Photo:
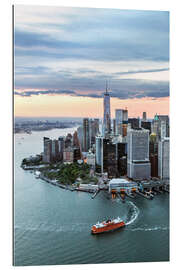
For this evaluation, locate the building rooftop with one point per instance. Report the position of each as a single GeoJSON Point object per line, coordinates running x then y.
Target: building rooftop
{"type": "Point", "coordinates": [118, 181]}
{"type": "Point", "coordinates": [138, 130]}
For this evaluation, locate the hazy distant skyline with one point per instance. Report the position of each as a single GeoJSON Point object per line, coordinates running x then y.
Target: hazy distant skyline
{"type": "Point", "coordinates": [63, 57]}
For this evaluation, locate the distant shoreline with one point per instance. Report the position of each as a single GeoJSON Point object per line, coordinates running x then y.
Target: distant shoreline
{"type": "Point", "coordinates": [36, 130]}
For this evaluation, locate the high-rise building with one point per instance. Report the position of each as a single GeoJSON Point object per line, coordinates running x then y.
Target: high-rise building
{"type": "Point", "coordinates": [75, 139]}
{"type": "Point", "coordinates": [80, 136]}
{"type": "Point", "coordinates": [163, 130]}
{"type": "Point", "coordinates": [154, 165]}
{"type": "Point", "coordinates": [155, 128]}
{"type": "Point", "coordinates": [138, 165]}
{"type": "Point", "coordinates": [68, 155]}
{"type": "Point", "coordinates": [134, 122]}
{"type": "Point", "coordinates": [47, 154]}
{"type": "Point", "coordinates": [160, 126]}
{"type": "Point", "coordinates": [91, 159]}
{"type": "Point", "coordinates": [121, 156]}
{"type": "Point", "coordinates": [165, 118]}
{"type": "Point", "coordinates": [121, 121]}
{"type": "Point", "coordinates": [109, 160]}
{"type": "Point", "coordinates": [61, 147]}
{"type": "Point", "coordinates": [96, 125]}
{"type": "Point", "coordinates": [114, 126]}
{"type": "Point", "coordinates": [163, 158]}
{"type": "Point", "coordinates": [144, 117]}
{"type": "Point", "coordinates": [76, 154]}
{"type": "Point", "coordinates": [55, 150]}
{"type": "Point", "coordinates": [153, 155]}
{"type": "Point", "coordinates": [86, 135]}
{"type": "Point", "coordinates": [94, 130]}
{"type": "Point", "coordinates": [107, 113]}
{"type": "Point", "coordinates": [146, 125]}
{"type": "Point", "coordinates": [99, 141]}
{"type": "Point", "coordinates": [111, 156]}
{"type": "Point", "coordinates": [68, 140]}
{"type": "Point", "coordinates": [124, 130]}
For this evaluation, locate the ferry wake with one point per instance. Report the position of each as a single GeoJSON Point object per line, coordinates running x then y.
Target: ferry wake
{"type": "Point", "coordinates": [107, 226]}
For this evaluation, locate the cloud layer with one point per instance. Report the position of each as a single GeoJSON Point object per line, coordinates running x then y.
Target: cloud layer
{"type": "Point", "coordinates": [74, 50]}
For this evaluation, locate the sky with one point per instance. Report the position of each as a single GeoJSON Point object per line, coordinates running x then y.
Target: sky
{"type": "Point", "coordinates": [64, 56]}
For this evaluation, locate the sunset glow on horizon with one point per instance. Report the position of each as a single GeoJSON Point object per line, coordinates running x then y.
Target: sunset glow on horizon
{"type": "Point", "coordinates": [70, 106]}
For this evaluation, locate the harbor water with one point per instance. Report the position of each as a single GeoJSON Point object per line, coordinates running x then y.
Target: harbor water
{"type": "Point", "coordinates": [52, 226]}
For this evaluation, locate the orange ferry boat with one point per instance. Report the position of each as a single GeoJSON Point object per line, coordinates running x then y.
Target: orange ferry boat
{"type": "Point", "coordinates": [107, 226]}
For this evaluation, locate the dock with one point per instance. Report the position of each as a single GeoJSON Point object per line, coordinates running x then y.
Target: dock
{"type": "Point", "coordinates": [96, 192]}
{"type": "Point", "coordinates": [130, 195]}
{"type": "Point", "coordinates": [144, 195]}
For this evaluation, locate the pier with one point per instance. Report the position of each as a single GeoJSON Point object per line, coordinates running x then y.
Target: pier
{"type": "Point", "coordinates": [130, 195]}
{"type": "Point", "coordinates": [145, 195]}
{"type": "Point", "coordinates": [147, 189]}
{"type": "Point", "coordinates": [96, 192]}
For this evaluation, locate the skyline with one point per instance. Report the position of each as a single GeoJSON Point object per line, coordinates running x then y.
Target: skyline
{"type": "Point", "coordinates": [55, 66]}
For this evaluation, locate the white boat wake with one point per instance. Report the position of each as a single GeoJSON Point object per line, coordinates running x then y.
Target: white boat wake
{"type": "Point", "coordinates": [135, 213]}
{"type": "Point", "coordinates": [156, 228]}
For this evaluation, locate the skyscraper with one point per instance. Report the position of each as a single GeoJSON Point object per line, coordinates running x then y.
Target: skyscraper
{"type": "Point", "coordinates": [96, 125]}
{"type": "Point", "coordinates": [68, 140]}
{"type": "Point", "coordinates": [114, 126]}
{"type": "Point", "coordinates": [160, 126]}
{"type": "Point", "coordinates": [121, 156]}
{"type": "Point", "coordinates": [80, 136]}
{"type": "Point", "coordinates": [163, 130]}
{"type": "Point", "coordinates": [134, 122]}
{"type": "Point", "coordinates": [153, 155]}
{"type": "Point", "coordinates": [146, 125]}
{"type": "Point", "coordinates": [165, 118]}
{"type": "Point", "coordinates": [93, 129]}
{"type": "Point", "coordinates": [99, 141]}
{"type": "Point", "coordinates": [55, 150]}
{"type": "Point", "coordinates": [109, 160]}
{"type": "Point", "coordinates": [144, 116]}
{"type": "Point", "coordinates": [47, 155]}
{"type": "Point", "coordinates": [86, 135]}
{"type": "Point", "coordinates": [107, 113]}
{"type": "Point", "coordinates": [75, 139]}
{"type": "Point", "coordinates": [163, 158]}
{"type": "Point", "coordinates": [61, 147]}
{"type": "Point", "coordinates": [121, 121]}
{"type": "Point", "coordinates": [138, 165]}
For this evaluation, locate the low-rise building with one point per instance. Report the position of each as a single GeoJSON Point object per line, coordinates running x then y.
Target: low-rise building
{"type": "Point", "coordinates": [122, 185]}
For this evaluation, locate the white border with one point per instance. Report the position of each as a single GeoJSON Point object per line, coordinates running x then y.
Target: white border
{"type": "Point", "coordinates": [6, 126]}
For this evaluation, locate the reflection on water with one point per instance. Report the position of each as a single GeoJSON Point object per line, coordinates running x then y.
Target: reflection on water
{"type": "Point", "coordinates": [52, 225]}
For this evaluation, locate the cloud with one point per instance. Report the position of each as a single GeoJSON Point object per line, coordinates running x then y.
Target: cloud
{"type": "Point", "coordinates": [77, 49]}
{"type": "Point", "coordinates": [141, 71]}
{"type": "Point", "coordinates": [43, 92]}
{"type": "Point", "coordinates": [122, 89]}
{"type": "Point", "coordinates": [108, 35]}
{"type": "Point", "coordinates": [36, 40]}
{"type": "Point", "coordinates": [102, 49]}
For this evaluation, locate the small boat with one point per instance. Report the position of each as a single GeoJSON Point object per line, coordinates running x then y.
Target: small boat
{"type": "Point", "coordinates": [107, 226]}
{"type": "Point", "coordinates": [37, 174]}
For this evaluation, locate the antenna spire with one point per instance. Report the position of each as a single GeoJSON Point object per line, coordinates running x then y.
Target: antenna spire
{"type": "Point", "coordinates": [106, 87]}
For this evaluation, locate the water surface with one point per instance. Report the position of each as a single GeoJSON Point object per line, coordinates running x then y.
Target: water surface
{"type": "Point", "coordinates": [52, 225]}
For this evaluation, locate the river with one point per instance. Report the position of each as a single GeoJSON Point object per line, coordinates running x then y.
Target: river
{"type": "Point", "coordinates": [52, 225]}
